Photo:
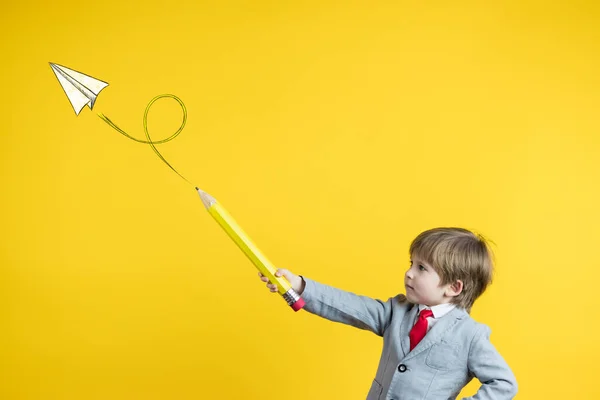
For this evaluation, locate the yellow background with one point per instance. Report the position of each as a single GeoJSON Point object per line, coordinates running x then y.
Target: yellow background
{"type": "Point", "coordinates": [334, 132]}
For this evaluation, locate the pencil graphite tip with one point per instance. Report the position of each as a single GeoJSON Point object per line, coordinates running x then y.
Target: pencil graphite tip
{"type": "Point", "coordinates": [206, 198]}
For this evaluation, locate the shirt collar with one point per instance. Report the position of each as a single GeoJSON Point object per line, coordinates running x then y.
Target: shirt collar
{"type": "Point", "coordinates": [438, 311]}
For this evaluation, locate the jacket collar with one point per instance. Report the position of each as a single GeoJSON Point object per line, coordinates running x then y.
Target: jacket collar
{"type": "Point", "coordinates": [434, 335]}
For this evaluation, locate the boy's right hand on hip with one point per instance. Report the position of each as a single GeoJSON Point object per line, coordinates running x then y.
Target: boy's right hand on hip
{"type": "Point", "coordinates": [296, 281]}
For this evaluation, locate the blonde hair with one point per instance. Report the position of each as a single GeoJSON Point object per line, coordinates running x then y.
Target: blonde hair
{"type": "Point", "coordinates": [457, 254]}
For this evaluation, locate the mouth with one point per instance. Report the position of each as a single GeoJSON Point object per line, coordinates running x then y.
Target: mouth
{"type": "Point", "coordinates": [408, 287]}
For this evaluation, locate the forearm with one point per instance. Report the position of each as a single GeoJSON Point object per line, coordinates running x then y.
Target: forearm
{"type": "Point", "coordinates": [348, 308]}
{"type": "Point", "coordinates": [486, 364]}
{"type": "Point", "coordinates": [497, 389]}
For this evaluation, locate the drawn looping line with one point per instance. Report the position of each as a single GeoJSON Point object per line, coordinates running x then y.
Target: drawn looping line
{"type": "Point", "coordinates": [150, 141]}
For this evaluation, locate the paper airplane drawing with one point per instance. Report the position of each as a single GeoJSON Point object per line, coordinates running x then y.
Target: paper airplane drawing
{"type": "Point", "coordinates": [81, 89]}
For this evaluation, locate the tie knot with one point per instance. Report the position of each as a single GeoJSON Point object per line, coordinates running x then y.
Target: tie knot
{"type": "Point", "coordinates": [424, 314]}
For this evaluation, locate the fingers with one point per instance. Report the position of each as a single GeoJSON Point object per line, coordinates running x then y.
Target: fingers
{"type": "Point", "coordinates": [279, 272]}
{"type": "Point", "coordinates": [272, 287]}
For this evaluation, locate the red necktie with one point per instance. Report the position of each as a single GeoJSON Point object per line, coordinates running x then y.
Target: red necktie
{"type": "Point", "coordinates": [420, 329]}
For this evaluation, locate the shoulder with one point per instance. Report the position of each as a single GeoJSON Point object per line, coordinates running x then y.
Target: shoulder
{"type": "Point", "coordinates": [477, 328]}
{"type": "Point", "coordinates": [468, 329]}
{"type": "Point", "coordinates": [400, 305]}
{"type": "Point", "coordinates": [400, 301]}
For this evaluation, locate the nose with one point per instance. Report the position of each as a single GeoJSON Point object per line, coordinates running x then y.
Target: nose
{"type": "Point", "coordinates": [408, 274]}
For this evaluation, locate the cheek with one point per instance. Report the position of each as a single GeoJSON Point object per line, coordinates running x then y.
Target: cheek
{"type": "Point", "coordinates": [429, 283]}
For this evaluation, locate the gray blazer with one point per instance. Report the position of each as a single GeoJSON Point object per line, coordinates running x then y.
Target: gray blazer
{"type": "Point", "coordinates": [455, 350]}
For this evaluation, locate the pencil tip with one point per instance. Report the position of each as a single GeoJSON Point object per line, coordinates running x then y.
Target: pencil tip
{"type": "Point", "coordinates": [206, 198]}
{"type": "Point", "coordinates": [197, 188]}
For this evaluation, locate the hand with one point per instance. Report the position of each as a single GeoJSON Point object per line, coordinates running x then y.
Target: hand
{"type": "Point", "coordinates": [296, 281]}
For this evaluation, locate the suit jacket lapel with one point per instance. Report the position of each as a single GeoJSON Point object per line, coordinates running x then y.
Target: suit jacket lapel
{"type": "Point", "coordinates": [406, 326]}
{"type": "Point", "coordinates": [436, 333]}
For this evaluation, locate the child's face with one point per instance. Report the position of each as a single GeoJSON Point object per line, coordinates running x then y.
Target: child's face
{"type": "Point", "coordinates": [422, 284]}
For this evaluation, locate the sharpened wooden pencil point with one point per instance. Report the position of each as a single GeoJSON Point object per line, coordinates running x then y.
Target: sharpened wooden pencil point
{"type": "Point", "coordinates": [242, 240]}
{"type": "Point", "coordinates": [206, 198]}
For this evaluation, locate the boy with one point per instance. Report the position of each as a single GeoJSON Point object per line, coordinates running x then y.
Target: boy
{"type": "Point", "coordinates": [431, 346]}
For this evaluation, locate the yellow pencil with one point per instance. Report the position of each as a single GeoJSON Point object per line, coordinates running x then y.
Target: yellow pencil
{"type": "Point", "coordinates": [254, 254]}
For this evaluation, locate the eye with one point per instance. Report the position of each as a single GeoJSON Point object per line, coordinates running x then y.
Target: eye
{"type": "Point", "coordinates": [422, 268]}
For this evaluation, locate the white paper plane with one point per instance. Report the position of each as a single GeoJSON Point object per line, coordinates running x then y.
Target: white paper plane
{"type": "Point", "coordinates": [81, 89]}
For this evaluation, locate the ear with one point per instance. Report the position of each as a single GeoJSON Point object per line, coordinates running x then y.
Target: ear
{"type": "Point", "coordinates": [454, 289]}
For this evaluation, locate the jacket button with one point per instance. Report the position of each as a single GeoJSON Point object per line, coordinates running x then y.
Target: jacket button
{"type": "Point", "coordinates": [401, 367]}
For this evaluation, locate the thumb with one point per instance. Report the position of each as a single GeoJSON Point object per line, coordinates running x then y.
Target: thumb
{"type": "Point", "coordinates": [284, 272]}
{"type": "Point", "coordinates": [295, 280]}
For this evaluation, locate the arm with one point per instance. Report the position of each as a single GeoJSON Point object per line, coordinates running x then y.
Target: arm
{"type": "Point", "coordinates": [486, 364]}
{"type": "Point", "coordinates": [348, 308]}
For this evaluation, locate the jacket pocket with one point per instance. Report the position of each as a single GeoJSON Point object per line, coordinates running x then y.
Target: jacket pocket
{"type": "Point", "coordinates": [442, 356]}
{"type": "Point", "coordinates": [375, 391]}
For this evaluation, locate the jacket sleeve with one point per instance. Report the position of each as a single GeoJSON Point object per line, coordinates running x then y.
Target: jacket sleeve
{"type": "Point", "coordinates": [348, 308]}
{"type": "Point", "coordinates": [486, 364]}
